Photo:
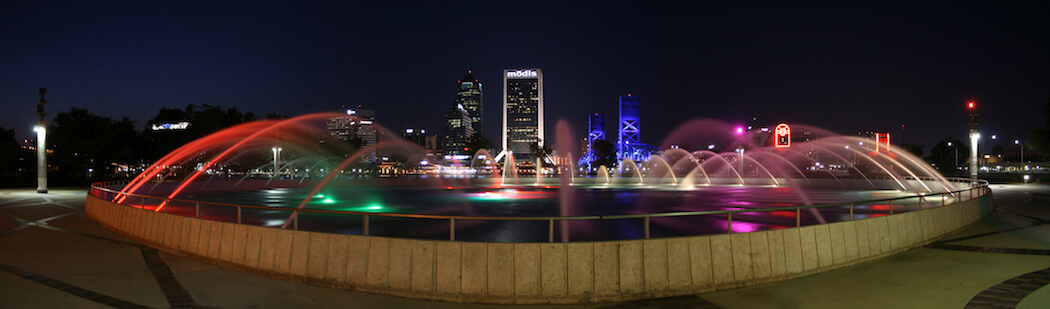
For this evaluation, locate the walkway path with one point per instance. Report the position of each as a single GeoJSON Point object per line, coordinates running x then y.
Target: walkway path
{"type": "Point", "coordinates": [53, 256]}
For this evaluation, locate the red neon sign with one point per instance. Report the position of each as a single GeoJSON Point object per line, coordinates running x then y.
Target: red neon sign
{"type": "Point", "coordinates": [782, 136]}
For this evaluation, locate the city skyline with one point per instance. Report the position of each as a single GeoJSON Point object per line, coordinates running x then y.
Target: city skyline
{"type": "Point", "coordinates": [843, 67]}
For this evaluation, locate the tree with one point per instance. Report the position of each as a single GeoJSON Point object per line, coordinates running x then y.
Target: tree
{"type": "Point", "coordinates": [478, 142]}
{"type": "Point", "coordinates": [947, 159]}
{"type": "Point", "coordinates": [86, 145]}
{"type": "Point", "coordinates": [204, 120]}
{"type": "Point", "coordinates": [913, 149]}
{"type": "Point", "coordinates": [604, 153]}
{"type": "Point", "coordinates": [998, 150]}
{"type": "Point", "coordinates": [15, 167]}
{"type": "Point", "coordinates": [539, 149]}
{"type": "Point", "coordinates": [1039, 137]}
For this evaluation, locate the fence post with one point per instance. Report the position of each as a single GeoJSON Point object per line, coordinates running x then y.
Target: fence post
{"type": "Point", "coordinates": [891, 204]}
{"type": "Point", "coordinates": [646, 227]}
{"type": "Point", "coordinates": [550, 230]}
{"type": "Point", "coordinates": [798, 217]}
{"type": "Point", "coordinates": [197, 210]}
{"type": "Point", "coordinates": [238, 214]}
{"type": "Point", "coordinates": [295, 219]}
{"type": "Point", "coordinates": [851, 211]}
{"type": "Point", "coordinates": [365, 229]}
{"type": "Point", "coordinates": [729, 226]}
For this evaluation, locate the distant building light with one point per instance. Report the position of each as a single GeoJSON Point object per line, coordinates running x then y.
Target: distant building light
{"type": "Point", "coordinates": [170, 126]}
{"type": "Point", "coordinates": [409, 131]}
{"type": "Point", "coordinates": [351, 112]}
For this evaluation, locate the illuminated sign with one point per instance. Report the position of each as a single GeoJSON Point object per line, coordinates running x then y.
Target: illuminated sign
{"type": "Point", "coordinates": [881, 138]}
{"type": "Point", "coordinates": [170, 126]}
{"type": "Point", "coordinates": [521, 74]}
{"type": "Point", "coordinates": [782, 136]}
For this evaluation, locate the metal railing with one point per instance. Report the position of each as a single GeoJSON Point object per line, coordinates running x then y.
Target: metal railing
{"type": "Point", "coordinates": [975, 190]}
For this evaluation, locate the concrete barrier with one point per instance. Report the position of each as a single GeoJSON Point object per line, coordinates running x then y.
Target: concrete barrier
{"type": "Point", "coordinates": [533, 273]}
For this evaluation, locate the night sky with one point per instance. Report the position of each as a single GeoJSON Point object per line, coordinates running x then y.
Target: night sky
{"type": "Point", "coordinates": [845, 67]}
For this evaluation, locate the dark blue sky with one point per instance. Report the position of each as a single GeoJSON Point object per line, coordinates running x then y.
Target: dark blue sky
{"type": "Point", "coordinates": [845, 67]}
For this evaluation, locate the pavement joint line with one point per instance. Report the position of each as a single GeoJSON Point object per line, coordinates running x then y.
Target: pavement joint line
{"type": "Point", "coordinates": [12, 230]}
{"type": "Point", "coordinates": [106, 239]}
{"type": "Point", "coordinates": [981, 235]}
{"type": "Point", "coordinates": [71, 289]}
{"type": "Point", "coordinates": [174, 292]}
{"type": "Point", "coordinates": [687, 301]}
{"type": "Point", "coordinates": [176, 295]}
{"type": "Point", "coordinates": [16, 200]}
{"type": "Point", "coordinates": [1010, 292]}
{"type": "Point", "coordinates": [1024, 251]}
{"type": "Point", "coordinates": [20, 220]}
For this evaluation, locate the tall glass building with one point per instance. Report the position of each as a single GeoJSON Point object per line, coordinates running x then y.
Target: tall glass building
{"type": "Point", "coordinates": [468, 94]}
{"type": "Point", "coordinates": [522, 111]}
{"type": "Point", "coordinates": [458, 131]}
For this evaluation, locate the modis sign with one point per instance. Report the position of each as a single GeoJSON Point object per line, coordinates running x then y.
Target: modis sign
{"type": "Point", "coordinates": [782, 136]}
{"type": "Point", "coordinates": [521, 74]}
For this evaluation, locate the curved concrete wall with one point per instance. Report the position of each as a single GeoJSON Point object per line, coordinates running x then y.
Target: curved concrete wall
{"type": "Point", "coordinates": [527, 273]}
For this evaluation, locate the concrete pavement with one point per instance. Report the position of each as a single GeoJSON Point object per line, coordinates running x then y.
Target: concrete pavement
{"type": "Point", "coordinates": [53, 256]}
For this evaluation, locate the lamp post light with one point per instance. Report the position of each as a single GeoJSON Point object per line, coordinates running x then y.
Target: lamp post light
{"type": "Point", "coordinates": [1018, 143]}
{"type": "Point", "coordinates": [974, 136]}
{"type": "Point", "coordinates": [276, 158]}
{"type": "Point", "coordinates": [956, 155]}
{"type": "Point", "coordinates": [41, 145]}
{"type": "Point", "coordinates": [741, 171]}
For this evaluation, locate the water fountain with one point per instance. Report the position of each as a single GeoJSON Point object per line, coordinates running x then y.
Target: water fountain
{"type": "Point", "coordinates": [748, 173]}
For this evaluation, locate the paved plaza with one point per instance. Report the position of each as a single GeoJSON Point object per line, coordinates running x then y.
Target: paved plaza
{"type": "Point", "coordinates": [53, 256]}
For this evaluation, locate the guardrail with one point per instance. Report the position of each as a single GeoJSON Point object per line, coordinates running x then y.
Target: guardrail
{"type": "Point", "coordinates": [975, 190]}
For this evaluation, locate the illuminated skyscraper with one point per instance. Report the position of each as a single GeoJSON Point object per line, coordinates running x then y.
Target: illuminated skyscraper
{"type": "Point", "coordinates": [630, 128]}
{"type": "Point", "coordinates": [522, 111]}
{"type": "Point", "coordinates": [458, 131]}
{"type": "Point", "coordinates": [468, 94]}
{"type": "Point", "coordinates": [357, 124]}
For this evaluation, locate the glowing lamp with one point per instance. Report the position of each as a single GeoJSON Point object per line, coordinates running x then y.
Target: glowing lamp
{"type": "Point", "coordinates": [970, 105]}
{"type": "Point", "coordinates": [739, 130]}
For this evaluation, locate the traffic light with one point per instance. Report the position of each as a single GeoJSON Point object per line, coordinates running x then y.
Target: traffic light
{"type": "Point", "coordinates": [971, 106]}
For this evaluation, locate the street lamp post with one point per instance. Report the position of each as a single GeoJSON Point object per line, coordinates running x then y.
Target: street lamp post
{"type": "Point", "coordinates": [956, 155]}
{"type": "Point", "coordinates": [276, 158]}
{"type": "Point", "coordinates": [741, 171]}
{"type": "Point", "coordinates": [1018, 143]}
{"type": "Point", "coordinates": [41, 145]}
{"type": "Point", "coordinates": [974, 136]}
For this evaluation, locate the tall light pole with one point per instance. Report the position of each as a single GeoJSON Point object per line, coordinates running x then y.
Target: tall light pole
{"type": "Point", "coordinates": [276, 158]}
{"type": "Point", "coordinates": [973, 141]}
{"type": "Point", "coordinates": [41, 145]}
{"type": "Point", "coordinates": [956, 155]}
{"type": "Point", "coordinates": [741, 171]}
{"type": "Point", "coordinates": [1018, 142]}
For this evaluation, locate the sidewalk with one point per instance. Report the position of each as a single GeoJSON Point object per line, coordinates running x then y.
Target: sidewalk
{"type": "Point", "coordinates": [53, 256]}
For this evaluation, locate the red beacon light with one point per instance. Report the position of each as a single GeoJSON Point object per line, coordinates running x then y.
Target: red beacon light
{"type": "Point", "coordinates": [970, 105]}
